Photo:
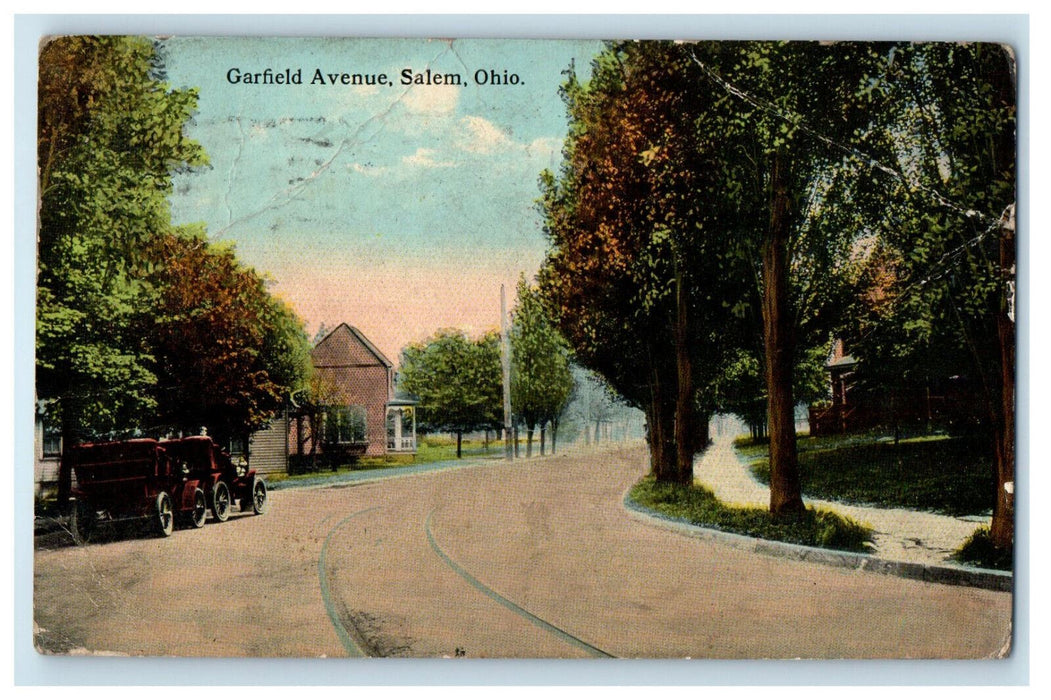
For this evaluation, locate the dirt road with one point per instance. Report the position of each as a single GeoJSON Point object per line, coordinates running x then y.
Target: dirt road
{"type": "Point", "coordinates": [533, 559]}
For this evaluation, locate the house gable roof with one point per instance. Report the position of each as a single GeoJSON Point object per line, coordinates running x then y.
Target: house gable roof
{"type": "Point", "coordinates": [347, 346]}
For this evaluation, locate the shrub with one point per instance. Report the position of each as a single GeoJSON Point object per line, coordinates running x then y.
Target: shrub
{"type": "Point", "coordinates": [979, 550]}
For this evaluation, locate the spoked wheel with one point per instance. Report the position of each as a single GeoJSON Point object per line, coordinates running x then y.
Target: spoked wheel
{"type": "Point", "coordinates": [257, 496]}
{"type": "Point", "coordinates": [164, 515]}
{"type": "Point", "coordinates": [221, 501]}
{"type": "Point", "coordinates": [200, 509]}
{"type": "Point", "coordinates": [82, 523]}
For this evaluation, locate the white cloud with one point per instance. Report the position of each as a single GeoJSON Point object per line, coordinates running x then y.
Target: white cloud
{"type": "Point", "coordinates": [544, 147]}
{"type": "Point", "coordinates": [368, 169]}
{"type": "Point", "coordinates": [431, 99]}
{"type": "Point", "coordinates": [482, 136]}
{"type": "Point", "coordinates": [424, 158]}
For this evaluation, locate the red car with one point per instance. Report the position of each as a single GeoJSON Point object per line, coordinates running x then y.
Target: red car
{"type": "Point", "coordinates": [160, 481]}
{"type": "Point", "coordinates": [210, 466]}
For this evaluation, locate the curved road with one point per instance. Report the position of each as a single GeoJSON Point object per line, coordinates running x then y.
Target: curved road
{"type": "Point", "coordinates": [534, 559]}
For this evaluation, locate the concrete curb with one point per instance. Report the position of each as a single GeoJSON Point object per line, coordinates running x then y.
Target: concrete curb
{"type": "Point", "coordinates": [988, 579]}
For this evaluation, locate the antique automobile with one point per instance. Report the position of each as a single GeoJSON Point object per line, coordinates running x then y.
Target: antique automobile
{"type": "Point", "coordinates": [160, 481]}
{"type": "Point", "coordinates": [223, 481]}
{"type": "Point", "coordinates": [129, 480]}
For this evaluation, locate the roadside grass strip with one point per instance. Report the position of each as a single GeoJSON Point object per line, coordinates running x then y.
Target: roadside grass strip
{"type": "Point", "coordinates": [513, 607]}
{"type": "Point", "coordinates": [349, 643]}
{"type": "Point", "coordinates": [699, 506]}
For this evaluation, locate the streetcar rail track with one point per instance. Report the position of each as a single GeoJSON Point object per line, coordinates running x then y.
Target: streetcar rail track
{"type": "Point", "coordinates": [349, 640]}
{"type": "Point", "coordinates": [507, 603]}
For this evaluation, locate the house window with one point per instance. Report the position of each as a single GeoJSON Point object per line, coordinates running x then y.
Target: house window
{"type": "Point", "coordinates": [237, 446]}
{"type": "Point", "coordinates": [345, 424]}
{"type": "Point", "coordinates": [52, 436]}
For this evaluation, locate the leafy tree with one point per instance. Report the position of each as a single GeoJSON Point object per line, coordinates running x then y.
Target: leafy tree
{"type": "Point", "coordinates": [110, 135]}
{"type": "Point", "coordinates": [936, 297]}
{"type": "Point", "coordinates": [457, 381]}
{"type": "Point", "coordinates": [227, 353]}
{"type": "Point", "coordinates": [787, 111]}
{"type": "Point", "coordinates": [641, 267]}
{"type": "Point", "coordinates": [141, 326]}
{"type": "Point", "coordinates": [541, 381]}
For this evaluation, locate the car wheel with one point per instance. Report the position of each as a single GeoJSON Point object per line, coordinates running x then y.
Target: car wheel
{"type": "Point", "coordinates": [164, 516]}
{"type": "Point", "coordinates": [200, 509]}
{"type": "Point", "coordinates": [82, 523]}
{"type": "Point", "coordinates": [221, 501]}
{"type": "Point", "coordinates": [258, 496]}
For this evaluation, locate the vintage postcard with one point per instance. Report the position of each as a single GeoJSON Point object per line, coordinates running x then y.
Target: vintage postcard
{"type": "Point", "coordinates": [524, 348]}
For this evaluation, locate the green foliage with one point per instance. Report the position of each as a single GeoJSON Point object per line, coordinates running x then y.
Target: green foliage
{"type": "Point", "coordinates": [541, 381]}
{"type": "Point", "coordinates": [228, 354]}
{"type": "Point", "coordinates": [110, 135]}
{"type": "Point", "coordinates": [456, 380]}
{"type": "Point", "coordinates": [699, 506]}
{"type": "Point", "coordinates": [930, 293]}
{"type": "Point", "coordinates": [141, 326]}
{"type": "Point", "coordinates": [945, 475]}
{"type": "Point", "coordinates": [980, 550]}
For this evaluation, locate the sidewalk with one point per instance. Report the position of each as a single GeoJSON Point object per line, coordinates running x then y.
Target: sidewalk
{"type": "Point", "coordinates": [899, 534]}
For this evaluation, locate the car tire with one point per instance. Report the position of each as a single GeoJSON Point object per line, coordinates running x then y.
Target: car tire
{"type": "Point", "coordinates": [221, 501]}
{"type": "Point", "coordinates": [164, 515]}
{"type": "Point", "coordinates": [258, 496]}
{"type": "Point", "coordinates": [82, 523]}
{"type": "Point", "coordinates": [200, 509]}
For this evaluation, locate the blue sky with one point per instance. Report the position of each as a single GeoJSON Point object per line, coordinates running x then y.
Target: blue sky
{"type": "Point", "coordinates": [397, 209]}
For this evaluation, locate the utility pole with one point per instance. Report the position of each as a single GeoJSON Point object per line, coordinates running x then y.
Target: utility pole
{"type": "Point", "coordinates": [505, 361]}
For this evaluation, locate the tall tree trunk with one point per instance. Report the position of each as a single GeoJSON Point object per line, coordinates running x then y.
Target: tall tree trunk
{"type": "Point", "coordinates": [543, 435]}
{"type": "Point", "coordinates": [684, 418]}
{"type": "Point", "coordinates": [779, 347]}
{"type": "Point", "coordinates": [1002, 530]}
{"type": "Point", "coordinates": [459, 444]}
{"type": "Point", "coordinates": [529, 439]}
{"type": "Point", "coordinates": [554, 434]}
{"type": "Point", "coordinates": [660, 425]}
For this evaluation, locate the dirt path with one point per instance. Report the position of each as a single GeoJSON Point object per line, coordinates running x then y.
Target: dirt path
{"type": "Point", "coordinates": [533, 559]}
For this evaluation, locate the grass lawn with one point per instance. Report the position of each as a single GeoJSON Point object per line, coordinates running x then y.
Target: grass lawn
{"type": "Point", "coordinates": [699, 506]}
{"type": "Point", "coordinates": [947, 475]}
{"type": "Point", "coordinates": [428, 450]}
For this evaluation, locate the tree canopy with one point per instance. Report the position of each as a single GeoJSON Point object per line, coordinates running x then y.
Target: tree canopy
{"type": "Point", "coordinates": [782, 166]}
{"type": "Point", "coordinates": [227, 354]}
{"type": "Point", "coordinates": [457, 381]}
{"type": "Point", "coordinates": [131, 336]}
{"type": "Point", "coordinates": [541, 381]}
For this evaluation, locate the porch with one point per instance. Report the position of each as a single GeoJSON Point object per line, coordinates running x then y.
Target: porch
{"type": "Point", "coordinates": [401, 426]}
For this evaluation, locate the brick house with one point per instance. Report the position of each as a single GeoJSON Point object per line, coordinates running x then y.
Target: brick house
{"type": "Point", "coordinates": [936, 402]}
{"type": "Point", "coordinates": [361, 416]}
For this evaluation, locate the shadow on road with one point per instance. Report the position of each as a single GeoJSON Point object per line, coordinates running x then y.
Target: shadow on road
{"type": "Point", "coordinates": [52, 532]}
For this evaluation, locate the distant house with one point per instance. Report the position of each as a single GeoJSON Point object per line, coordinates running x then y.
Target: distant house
{"type": "Point", "coordinates": [361, 415]}
{"type": "Point", "coordinates": [47, 451]}
{"type": "Point", "coordinates": [939, 402]}
{"type": "Point", "coordinates": [842, 415]}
